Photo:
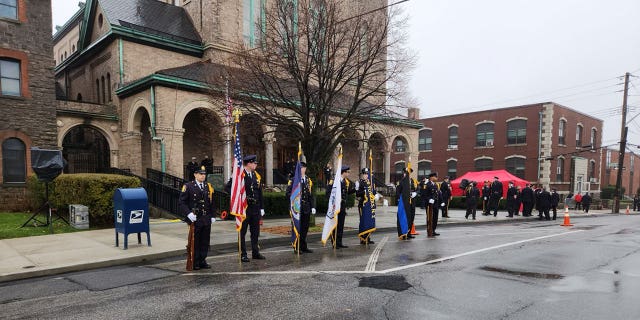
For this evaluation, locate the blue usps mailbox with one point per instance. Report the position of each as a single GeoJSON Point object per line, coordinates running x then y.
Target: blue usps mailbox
{"type": "Point", "coordinates": [131, 213]}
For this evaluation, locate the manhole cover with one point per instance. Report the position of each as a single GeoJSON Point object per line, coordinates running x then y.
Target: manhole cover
{"type": "Point", "coordinates": [395, 283]}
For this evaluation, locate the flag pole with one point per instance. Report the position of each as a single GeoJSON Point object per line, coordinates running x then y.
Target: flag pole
{"type": "Point", "coordinates": [236, 116]}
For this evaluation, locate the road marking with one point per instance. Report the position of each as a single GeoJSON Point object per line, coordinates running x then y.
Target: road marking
{"type": "Point", "coordinates": [414, 265]}
{"type": "Point", "coordinates": [419, 264]}
{"type": "Point", "coordinates": [371, 265]}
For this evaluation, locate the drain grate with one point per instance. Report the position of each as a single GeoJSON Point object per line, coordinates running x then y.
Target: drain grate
{"type": "Point", "coordinates": [395, 283]}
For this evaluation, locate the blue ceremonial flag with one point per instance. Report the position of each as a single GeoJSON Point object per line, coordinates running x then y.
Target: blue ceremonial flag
{"type": "Point", "coordinates": [368, 211]}
{"type": "Point", "coordinates": [402, 219]}
{"type": "Point", "coordinates": [294, 205]}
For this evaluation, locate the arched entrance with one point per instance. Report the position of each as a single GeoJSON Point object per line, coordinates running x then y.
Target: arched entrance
{"type": "Point", "coordinates": [142, 124]}
{"type": "Point", "coordinates": [86, 150]}
{"type": "Point", "coordinates": [203, 136]}
{"type": "Point", "coordinates": [378, 146]}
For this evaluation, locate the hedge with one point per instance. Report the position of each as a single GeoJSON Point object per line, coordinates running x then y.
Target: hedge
{"type": "Point", "coordinates": [276, 205]}
{"type": "Point", "coordinates": [94, 190]}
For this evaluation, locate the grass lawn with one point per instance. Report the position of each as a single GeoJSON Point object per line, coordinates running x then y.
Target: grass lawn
{"type": "Point", "coordinates": [10, 224]}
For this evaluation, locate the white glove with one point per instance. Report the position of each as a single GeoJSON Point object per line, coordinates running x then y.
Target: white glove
{"type": "Point", "coordinates": [485, 198]}
{"type": "Point", "coordinates": [262, 212]}
{"type": "Point", "coordinates": [432, 201]}
{"type": "Point", "coordinates": [442, 204]}
{"type": "Point", "coordinates": [213, 219]}
{"type": "Point", "coordinates": [357, 185]}
{"type": "Point", "coordinates": [413, 194]}
{"type": "Point", "coordinates": [377, 196]}
{"type": "Point", "coordinates": [313, 210]}
{"type": "Point", "coordinates": [192, 217]}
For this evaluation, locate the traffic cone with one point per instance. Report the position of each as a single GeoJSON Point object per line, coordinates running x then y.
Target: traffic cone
{"type": "Point", "coordinates": [567, 220]}
{"type": "Point", "coordinates": [413, 231]}
{"type": "Point", "coordinates": [627, 212]}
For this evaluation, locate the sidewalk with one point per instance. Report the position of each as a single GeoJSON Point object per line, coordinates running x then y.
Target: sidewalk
{"type": "Point", "coordinates": [29, 257]}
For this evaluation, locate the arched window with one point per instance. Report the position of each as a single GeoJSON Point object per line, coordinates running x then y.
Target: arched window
{"type": "Point", "coordinates": [109, 86]}
{"type": "Point", "coordinates": [14, 166]}
{"type": "Point", "coordinates": [424, 140]}
{"type": "Point", "coordinates": [562, 130]}
{"type": "Point", "coordinates": [79, 97]}
{"type": "Point", "coordinates": [104, 100]}
{"type": "Point", "coordinates": [594, 135]}
{"type": "Point", "coordinates": [399, 145]}
{"type": "Point", "coordinates": [484, 135]}
{"type": "Point", "coordinates": [453, 138]}
{"type": "Point", "coordinates": [452, 169]}
{"type": "Point", "coordinates": [579, 130]}
{"type": "Point", "coordinates": [399, 167]}
{"type": "Point", "coordinates": [484, 164]}
{"type": "Point", "coordinates": [560, 170]}
{"type": "Point", "coordinates": [517, 131]}
{"type": "Point", "coordinates": [515, 166]}
{"type": "Point", "coordinates": [424, 168]}
{"type": "Point", "coordinates": [592, 170]}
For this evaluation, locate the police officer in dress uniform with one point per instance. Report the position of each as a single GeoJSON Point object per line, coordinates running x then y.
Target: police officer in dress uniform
{"type": "Point", "coordinates": [471, 194]}
{"type": "Point", "coordinates": [255, 209]}
{"type": "Point", "coordinates": [496, 194]}
{"type": "Point", "coordinates": [363, 190]}
{"type": "Point", "coordinates": [512, 200]}
{"type": "Point", "coordinates": [196, 202]}
{"type": "Point", "coordinates": [544, 204]}
{"type": "Point", "coordinates": [346, 188]}
{"type": "Point", "coordinates": [486, 194]}
{"type": "Point", "coordinates": [307, 205]}
{"type": "Point", "coordinates": [445, 189]}
{"type": "Point", "coordinates": [555, 199]}
{"type": "Point", "coordinates": [433, 201]}
{"type": "Point", "coordinates": [422, 186]}
{"type": "Point", "coordinates": [528, 199]}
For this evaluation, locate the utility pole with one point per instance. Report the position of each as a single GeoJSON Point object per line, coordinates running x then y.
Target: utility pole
{"type": "Point", "coordinates": [623, 145]}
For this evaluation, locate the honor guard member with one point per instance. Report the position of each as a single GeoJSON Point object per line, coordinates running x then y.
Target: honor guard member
{"type": "Point", "coordinates": [433, 201]}
{"type": "Point", "coordinates": [445, 189]}
{"type": "Point", "coordinates": [422, 186]}
{"type": "Point", "coordinates": [512, 200]}
{"type": "Point", "coordinates": [255, 209]}
{"type": "Point", "coordinates": [196, 202]}
{"type": "Point", "coordinates": [364, 194]}
{"type": "Point", "coordinates": [471, 194]}
{"type": "Point", "coordinates": [528, 199]}
{"type": "Point", "coordinates": [496, 195]}
{"type": "Point", "coordinates": [555, 200]}
{"type": "Point", "coordinates": [307, 205]}
{"type": "Point", "coordinates": [486, 194]}
{"type": "Point", "coordinates": [192, 167]}
{"type": "Point", "coordinates": [409, 197]}
{"type": "Point", "coordinates": [346, 188]}
{"type": "Point", "coordinates": [544, 204]}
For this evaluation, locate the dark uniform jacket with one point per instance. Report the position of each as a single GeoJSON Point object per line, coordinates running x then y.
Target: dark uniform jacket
{"type": "Point", "coordinates": [346, 188]}
{"type": "Point", "coordinates": [486, 192]}
{"type": "Point", "coordinates": [471, 196]}
{"type": "Point", "coordinates": [445, 188]}
{"type": "Point", "coordinates": [496, 189]}
{"type": "Point", "coordinates": [555, 199]}
{"type": "Point", "coordinates": [362, 193]}
{"type": "Point", "coordinates": [306, 196]}
{"type": "Point", "coordinates": [200, 202]}
{"type": "Point", "coordinates": [527, 195]}
{"type": "Point", "coordinates": [433, 193]}
{"type": "Point", "coordinates": [512, 196]}
{"type": "Point", "coordinates": [544, 200]}
{"type": "Point", "coordinates": [253, 192]}
{"type": "Point", "coordinates": [586, 200]}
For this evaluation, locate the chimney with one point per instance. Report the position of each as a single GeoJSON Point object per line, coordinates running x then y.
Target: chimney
{"type": "Point", "coordinates": [413, 113]}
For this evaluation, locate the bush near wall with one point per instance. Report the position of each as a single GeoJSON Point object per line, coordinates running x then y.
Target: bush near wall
{"type": "Point", "coordinates": [93, 190]}
{"type": "Point", "coordinates": [276, 205]}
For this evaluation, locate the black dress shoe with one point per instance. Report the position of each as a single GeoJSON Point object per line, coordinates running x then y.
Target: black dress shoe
{"type": "Point", "coordinates": [258, 256]}
{"type": "Point", "coordinates": [436, 234]}
{"type": "Point", "coordinates": [341, 246]}
{"type": "Point", "coordinates": [205, 266]}
{"type": "Point", "coordinates": [307, 250]}
{"type": "Point", "coordinates": [245, 259]}
{"type": "Point", "coordinates": [408, 236]}
{"type": "Point", "coordinates": [196, 268]}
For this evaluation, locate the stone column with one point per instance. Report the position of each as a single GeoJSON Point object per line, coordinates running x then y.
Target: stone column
{"type": "Point", "coordinates": [268, 139]}
{"type": "Point", "coordinates": [387, 166]}
{"type": "Point", "coordinates": [362, 147]}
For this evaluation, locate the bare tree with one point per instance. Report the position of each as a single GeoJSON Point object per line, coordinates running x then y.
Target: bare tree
{"type": "Point", "coordinates": [322, 68]}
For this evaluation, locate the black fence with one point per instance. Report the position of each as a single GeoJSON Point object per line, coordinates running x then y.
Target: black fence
{"type": "Point", "coordinates": [165, 178]}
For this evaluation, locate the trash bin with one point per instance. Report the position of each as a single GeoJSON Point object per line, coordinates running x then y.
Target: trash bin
{"type": "Point", "coordinates": [131, 213]}
{"type": "Point", "coordinates": [79, 216]}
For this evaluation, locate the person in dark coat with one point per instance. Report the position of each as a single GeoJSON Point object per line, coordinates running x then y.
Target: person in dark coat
{"type": "Point", "coordinates": [196, 203]}
{"type": "Point", "coordinates": [307, 205]}
{"type": "Point", "coordinates": [555, 199]}
{"type": "Point", "coordinates": [208, 164]}
{"type": "Point", "coordinates": [536, 194]}
{"type": "Point", "coordinates": [528, 199]}
{"type": "Point", "coordinates": [422, 186]}
{"type": "Point", "coordinates": [346, 188]}
{"type": "Point", "coordinates": [512, 200]}
{"type": "Point", "coordinates": [586, 202]}
{"type": "Point", "coordinates": [544, 203]}
{"type": "Point", "coordinates": [486, 194]}
{"type": "Point", "coordinates": [497, 193]}
{"type": "Point", "coordinates": [471, 194]}
{"type": "Point", "coordinates": [636, 202]}
{"type": "Point", "coordinates": [255, 208]}
{"type": "Point", "coordinates": [434, 199]}
{"type": "Point", "coordinates": [192, 167]}
{"type": "Point", "coordinates": [445, 189]}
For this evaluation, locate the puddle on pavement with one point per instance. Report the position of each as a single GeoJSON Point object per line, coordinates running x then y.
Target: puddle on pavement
{"type": "Point", "coordinates": [521, 273]}
{"type": "Point", "coordinates": [626, 231]}
{"type": "Point", "coordinates": [581, 284]}
{"type": "Point", "coordinates": [393, 282]}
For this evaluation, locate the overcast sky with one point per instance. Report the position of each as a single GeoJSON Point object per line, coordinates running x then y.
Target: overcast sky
{"type": "Point", "coordinates": [476, 55]}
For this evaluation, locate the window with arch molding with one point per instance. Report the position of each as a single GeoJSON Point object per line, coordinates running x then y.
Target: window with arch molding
{"type": "Point", "coordinates": [515, 166]}
{"type": "Point", "coordinates": [424, 168]}
{"type": "Point", "coordinates": [399, 145]}
{"type": "Point", "coordinates": [483, 164]}
{"type": "Point", "coordinates": [562, 130]}
{"type": "Point", "coordinates": [517, 131]}
{"type": "Point", "coordinates": [453, 138]}
{"type": "Point", "coordinates": [484, 135]}
{"type": "Point", "coordinates": [424, 140]}
{"type": "Point", "coordinates": [14, 165]}
{"type": "Point", "coordinates": [452, 169]}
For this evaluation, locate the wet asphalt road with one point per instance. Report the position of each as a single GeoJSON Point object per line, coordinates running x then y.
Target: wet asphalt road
{"type": "Point", "coordinates": [529, 270]}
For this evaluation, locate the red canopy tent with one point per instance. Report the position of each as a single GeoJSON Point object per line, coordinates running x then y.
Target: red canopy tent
{"type": "Point", "coordinates": [481, 176]}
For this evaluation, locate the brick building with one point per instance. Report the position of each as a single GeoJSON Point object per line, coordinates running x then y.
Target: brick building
{"type": "Point", "coordinates": [544, 143]}
{"type": "Point", "coordinates": [133, 92]}
{"type": "Point", "coordinates": [27, 96]}
{"type": "Point", "coordinates": [631, 165]}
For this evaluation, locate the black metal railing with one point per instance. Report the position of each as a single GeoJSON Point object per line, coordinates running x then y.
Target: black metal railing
{"type": "Point", "coordinates": [165, 178]}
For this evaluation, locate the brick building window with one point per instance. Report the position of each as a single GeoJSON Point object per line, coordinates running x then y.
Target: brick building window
{"type": "Point", "coordinates": [592, 141]}
{"type": "Point", "coordinates": [399, 145]}
{"type": "Point", "coordinates": [560, 170]}
{"type": "Point", "coordinates": [453, 138]}
{"type": "Point", "coordinates": [14, 166]}
{"type": "Point", "coordinates": [424, 168]}
{"type": "Point", "coordinates": [9, 9]}
{"type": "Point", "coordinates": [252, 20]}
{"type": "Point", "coordinates": [592, 170]}
{"type": "Point", "coordinates": [484, 135]}
{"type": "Point", "coordinates": [399, 167]}
{"type": "Point", "coordinates": [424, 140]}
{"type": "Point", "coordinates": [515, 166]}
{"type": "Point", "coordinates": [452, 169]}
{"type": "Point", "coordinates": [562, 130]}
{"type": "Point", "coordinates": [484, 164]}
{"type": "Point", "coordinates": [579, 130]}
{"type": "Point", "coordinates": [9, 77]}
{"type": "Point", "coordinates": [517, 131]}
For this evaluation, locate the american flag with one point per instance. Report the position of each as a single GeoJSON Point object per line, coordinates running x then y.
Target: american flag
{"type": "Point", "coordinates": [238, 194]}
